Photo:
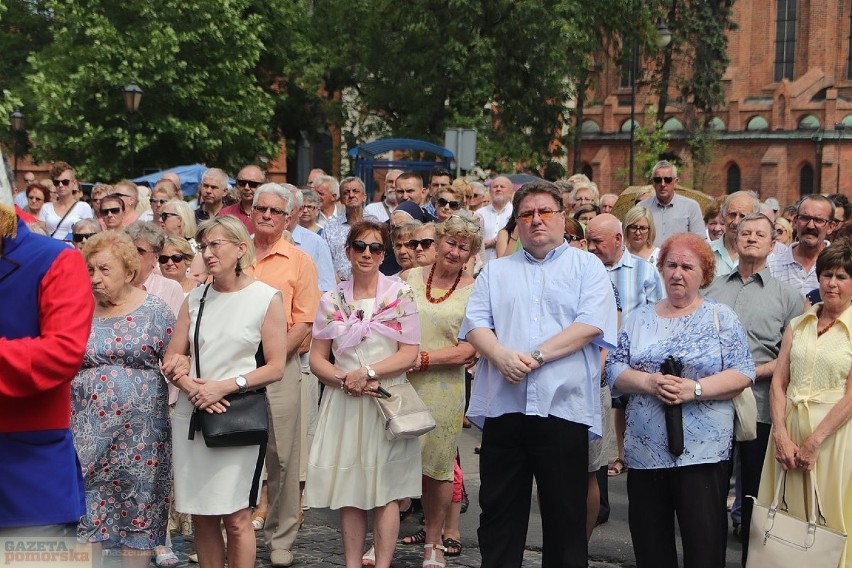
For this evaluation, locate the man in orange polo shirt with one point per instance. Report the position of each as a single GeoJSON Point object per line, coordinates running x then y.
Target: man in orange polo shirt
{"type": "Point", "coordinates": [283, 266]}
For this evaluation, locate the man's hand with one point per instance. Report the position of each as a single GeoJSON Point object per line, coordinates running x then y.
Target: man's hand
{"type": "Point", "coordinates": [513, 365]}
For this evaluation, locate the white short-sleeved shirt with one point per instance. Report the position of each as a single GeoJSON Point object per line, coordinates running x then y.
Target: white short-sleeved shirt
{"type": "Point", "coordinates": [57, 230]}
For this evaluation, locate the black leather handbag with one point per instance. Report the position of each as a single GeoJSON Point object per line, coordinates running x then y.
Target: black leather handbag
{"type": "Point", "coordinates": [246, 421]}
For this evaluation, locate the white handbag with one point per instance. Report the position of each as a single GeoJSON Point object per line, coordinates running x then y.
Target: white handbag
{"type": "Point", "coordinates": [778, 539]}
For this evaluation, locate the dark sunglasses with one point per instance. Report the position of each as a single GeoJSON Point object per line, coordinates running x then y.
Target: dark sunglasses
{"type": "Point", "coordinates": [249, 183]}
{"type": "Point", "coordinates": [62, 181]}
{"type": "Point", "coordinates": [80, 237]}
{"type": "Point", "coordinates": [164, 258]}
{"type": "Point", "coordinates": [414, 243]}
{"type": "Point", "coordinates": [159, 201]}
{"type": "Point", "coordinates": [658, 179]}
{"type": "Point", "coordinates": [361, 246]}
{"type": "Point", "coordinates": [111, 211]}
{"type": "Point", "coordinates": [453, 204]}
{"type": "Point", "coordinates": [165, 216]}
{"type": "Point", "coordinates": [275, 211]}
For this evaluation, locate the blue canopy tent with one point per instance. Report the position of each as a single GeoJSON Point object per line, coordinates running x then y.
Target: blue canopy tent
{"type": "Point", "coordinates": [366, 162]}
{"type": "Point", "coordinates": [190, 177]}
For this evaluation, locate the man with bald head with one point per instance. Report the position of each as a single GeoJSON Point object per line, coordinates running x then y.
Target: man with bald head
{"type": "Point", "coordinates": [736, 207]}
{"type": "Point", "coordinates": [638, 281]}
{"type": "Point", "coordinates": [495, 215]}
{"type": "Point", "coordinates": [381, 210]}
{"type": "Point", "coordinates": [248, 180]}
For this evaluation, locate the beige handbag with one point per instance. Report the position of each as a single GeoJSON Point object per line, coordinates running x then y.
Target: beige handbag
{"type": "Point", "coordinates": [404, 414]}
{"type": "Point", "coordinates": [778, 539]}
{"type": "Point", "coordinates": [745, 419]}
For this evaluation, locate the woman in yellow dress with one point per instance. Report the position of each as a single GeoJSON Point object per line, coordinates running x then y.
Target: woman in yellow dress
{"type": "Point", "coordinates": [441, 292]}
{"type": "Point", "coordinates": [811, 402]}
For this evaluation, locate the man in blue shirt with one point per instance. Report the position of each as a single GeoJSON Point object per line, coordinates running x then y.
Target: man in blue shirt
{"type": "Point", "coordinates": [538, 319]}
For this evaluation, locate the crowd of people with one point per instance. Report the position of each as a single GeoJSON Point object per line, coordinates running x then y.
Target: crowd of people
{"type": "Point", "coordinates": [587, 338]}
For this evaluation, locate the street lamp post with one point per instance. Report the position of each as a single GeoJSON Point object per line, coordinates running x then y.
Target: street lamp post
{"type": "Point", "coordinates": [664, 37]}
{"type": "Point", "coordinates": [16, 118]}
{"type": "Point", "coordinates": [132, 98]}
{"type": "Point", "coordinates": [839, 127]}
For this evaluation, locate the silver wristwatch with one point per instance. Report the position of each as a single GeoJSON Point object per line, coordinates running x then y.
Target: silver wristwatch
{"type": "Point", "coordinates": [697, 390]}
{"type": "Point", "coordinates": [242, 383]}
{"type": "Point", "coordinates": [371, 373]}
{"type": "Point", "coordinates": [538, 357]}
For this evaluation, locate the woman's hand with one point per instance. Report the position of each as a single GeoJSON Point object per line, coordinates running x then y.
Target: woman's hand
{"type": "Point", "coordinates": [785, 451]}
{"type": "Point", "coordinates": [355, 381]}
{"type": "Point", "coordinates": [175, 367]}
{"type": "Point", "coordinates": [807, 454]}
{"type": "Point", "coordinates": [209, 395]}
{"type": "Point", "coordinates": [372, 388]}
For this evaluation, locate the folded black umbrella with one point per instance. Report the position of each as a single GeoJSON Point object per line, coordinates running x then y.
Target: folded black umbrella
{"type": "Point", "coordinates": [674, 413]}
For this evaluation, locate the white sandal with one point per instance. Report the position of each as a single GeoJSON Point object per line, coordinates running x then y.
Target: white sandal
{"type": "Point", "coordinates": [369, 558]}
{"type": "Point", "coordinates": [431, 561]}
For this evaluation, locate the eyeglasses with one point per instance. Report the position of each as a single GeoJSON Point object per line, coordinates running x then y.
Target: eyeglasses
{"type": "Point", "coordinates": [164, 258]}
{"type": "Point", "coordinates": [65, 182]}
{"type": "Point", "coordinates": [275, 211]}
{"type": "Point", "coordinates": [473, 224]}
{"type": "Point", "coordinates": [248, 183]}
{"type": "Point", "coordinates": [80, 237]}
{"type": "Point", "coordinates": [361, 246]}
{"type": "Point", "coordinates": [159, 202]}
{"type": "Point", "coordinates": [638, 229]}
{"type": "Point", "coordinates": [544, 214]}
{"type": "Point", "coordinates": [111, 211]}
{"type": "Point", "coordinates": [165, 216]}
{"type": "Point", "coordinates": [658, 179]}
{"type": "Point", "coordinates": [817, 221]}
{"type": "Point", "coordinates": [572, 238]}
{"type": "Point", "coordinates": [734, 215]}
{"type": "Point", "coordinates": [414, 243]}
{"type": "Point", "coordinates": [453, 204]}
{"type": "Point", "coordinates": [141, 251]}
{"type": "Point", "coordinates": [309, 207]}
{"type": "Point", "coordinates": [478, 195]}
{"type": "Point", "coordinates": [212, 245]}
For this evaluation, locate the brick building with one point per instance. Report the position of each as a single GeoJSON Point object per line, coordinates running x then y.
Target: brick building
{"type": "Point", "coordinates": [786, 127]}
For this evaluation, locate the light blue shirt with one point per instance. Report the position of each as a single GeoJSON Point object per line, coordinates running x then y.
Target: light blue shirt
{"type": "Point", "coordinates": [525, 302]}
{"type": "Point", "coordinates": [316, 247]}
{"type": "Point", "coordinates": [705, 349]}
{"type": "Point", "coordinates": [724, 263]}
{"type": "Point", "coordinates": [681, 215]}
{"type": "Point", "coordinates": [638, 282]}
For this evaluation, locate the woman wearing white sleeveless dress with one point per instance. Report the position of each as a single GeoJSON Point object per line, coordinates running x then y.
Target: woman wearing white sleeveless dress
{"type": "Point", "coordinates": [213, 484]}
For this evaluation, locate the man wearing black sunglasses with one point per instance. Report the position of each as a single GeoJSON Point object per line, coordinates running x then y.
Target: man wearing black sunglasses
{"type": "Point", "coordinates": [672, 213]}
{"type": "Point", "coordinates": [248, 180]}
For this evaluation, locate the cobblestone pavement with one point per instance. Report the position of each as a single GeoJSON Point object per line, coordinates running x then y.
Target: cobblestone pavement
{"type": "Point", "coordinates": [319, 545]}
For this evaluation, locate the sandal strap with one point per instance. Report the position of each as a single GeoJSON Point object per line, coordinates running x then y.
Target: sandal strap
{"type": "Point", "coordinates": [440, 547]}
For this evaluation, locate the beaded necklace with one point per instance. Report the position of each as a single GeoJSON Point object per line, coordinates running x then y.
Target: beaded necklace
{"type": "Point", "coordinates": [449, 292]}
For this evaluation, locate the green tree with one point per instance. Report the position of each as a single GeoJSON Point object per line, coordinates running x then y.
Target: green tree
{"type": "Point", "coordinates": [196, 63]}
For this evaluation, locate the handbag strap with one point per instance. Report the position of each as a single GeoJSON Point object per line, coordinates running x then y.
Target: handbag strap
{"type": "Point", "coordinates": [194, 422]}
{"type": "Point", "coordinates": [59, 224]}
{"type": "Point", "coordinates": [813, 508]}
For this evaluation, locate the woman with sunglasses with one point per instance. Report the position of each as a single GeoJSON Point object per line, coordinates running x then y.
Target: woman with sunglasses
{"type": "Point", "coordinates": [371, 326]}
{"type": "Point", "coordinates": [448, 202]}
{"type": "Point", "coordinates": [421, 245]}
{"type": "Point", "coordinates": [174, 260]}
{"type": "Point", "coordinates": [59, 215]}
{"type": "Point", "coordinates": [112, 212]}
{"type": "Point", "coordinates": [163, 192]}
{"type": "Point", "coordinates": [83, 230]}
{"type": "Point", "coordinates": [401, 236]}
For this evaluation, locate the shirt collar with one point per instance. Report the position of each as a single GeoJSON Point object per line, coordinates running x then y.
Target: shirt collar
{"type": "Point", "coordinates": [553, 254]}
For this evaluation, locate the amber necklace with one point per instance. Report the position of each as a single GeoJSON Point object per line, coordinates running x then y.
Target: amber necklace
{"type": "Point", "coordinates": [449, 292]}
{"type": "Point", "coordinates": [826, 328]}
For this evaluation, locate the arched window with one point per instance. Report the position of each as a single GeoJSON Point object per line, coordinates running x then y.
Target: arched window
{"type": "Point", "coordinates": [586, 170]}
{"type": "Point", "coordinates": [785, 39]}
{"type": "Point", "coordinates": [757, 123]}
{"type": "Point", "coordinates": [806, 180]}
{"type": "Point", "coordinates": [733, 181]}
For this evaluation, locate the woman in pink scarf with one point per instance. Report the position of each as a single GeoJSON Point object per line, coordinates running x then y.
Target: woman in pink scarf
{"type": "Point", "coordinates": [370, 325]}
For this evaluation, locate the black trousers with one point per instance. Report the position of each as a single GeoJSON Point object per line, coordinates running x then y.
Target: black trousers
{"type": "Point", "coordinates": [696, 495]}
{"type": "Point", "coordinates": [515, 449]}
{"type": "Point", "coordinates": [752, 455]}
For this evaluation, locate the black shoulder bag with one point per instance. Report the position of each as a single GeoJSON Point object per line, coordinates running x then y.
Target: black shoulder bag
{"type": "Point", "coordinates": [246, 421]}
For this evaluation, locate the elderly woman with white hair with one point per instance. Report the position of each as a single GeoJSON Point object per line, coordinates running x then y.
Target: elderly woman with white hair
{"type": "Point", "coordinates": [82, 231]}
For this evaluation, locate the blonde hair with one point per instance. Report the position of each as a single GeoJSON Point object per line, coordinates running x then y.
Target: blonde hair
{"type": "Point", "coordinates": [235, 232]}
{"type": "Point", "coordinates": [183, 209]}
{"type": "Point", "coordinates": [119, 243]}
{"type": "Point", "coordinates": [636, 213]}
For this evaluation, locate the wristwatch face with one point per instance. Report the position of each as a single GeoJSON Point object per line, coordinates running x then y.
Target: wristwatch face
{"type": "Point", "coordinates": [697, 389]}
{"type": "Point", "coordinates": [242, 383]}
{"type": "Point", "coordinates": [537, 356]}
{"type": "Point", "coordinates": [371, 373]}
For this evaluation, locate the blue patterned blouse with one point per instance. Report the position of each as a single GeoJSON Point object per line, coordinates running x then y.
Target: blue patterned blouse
{"type": "Point", "coordinates": [705, 349]}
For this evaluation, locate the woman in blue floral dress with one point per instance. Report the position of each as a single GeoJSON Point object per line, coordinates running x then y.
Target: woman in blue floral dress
{"type": "Point", "coordinates": [710, 342]}
{"type": "Point", "coordinates": [120, 416]}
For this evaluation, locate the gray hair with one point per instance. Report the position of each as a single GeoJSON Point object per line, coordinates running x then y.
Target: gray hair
{"type": "Point", "coordinates": [663, 164]}
{"type": "Point", "coordinates": [148, 232]}
{"type": "Point", "coordinates": [734, 195]}
{"type": "Point", "coordinates": [91, 224]}
{"type": "Point", "coordinates": [353, 179]}
{"type": "Point", "coordinates": [295, 195]}
{"type": "Point", "coordinates": [220, 174]}
{"type": "Point", "coordinates": [333, 185]}
{"type": "Point", "coordinates": [309, 196]}
{"type": "Point", "coordinates": [757, 217]}
{"type": "Point", "coordinates": [278, 191]}
{"type": "Point", "coordinates": [819, 198]}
